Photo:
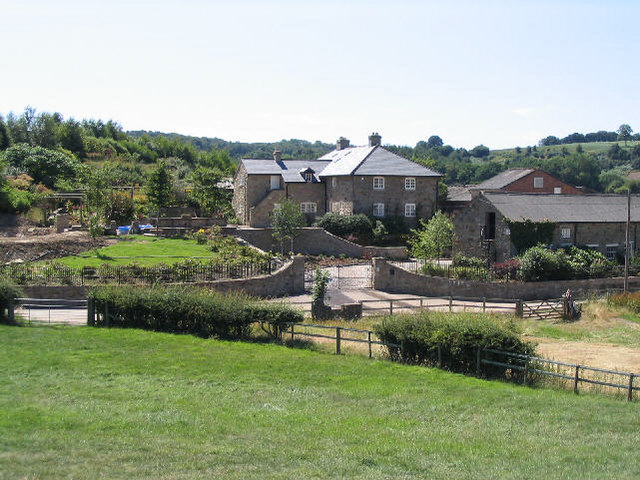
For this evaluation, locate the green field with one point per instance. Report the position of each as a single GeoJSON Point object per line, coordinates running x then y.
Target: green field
{"type": "Point", "coordinates": [140, 250]}
{"type": "Point", "coordinates": [592, 147]}
{"type": "Point", "coordinates": [77, 402]}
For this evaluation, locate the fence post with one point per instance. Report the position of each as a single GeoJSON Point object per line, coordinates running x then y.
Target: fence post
{"type": "Point", "coordinates": [293, 332]}
{"type": "Point", "coordinates": [484, 304]}
{"type": "Point", "coordinates": [576, 379]}
{"type": "Point", "coordinates": [338, 340]}
{"type": "Point", "coordinates": [369, 340]}
{"type": "Point", "coordinates": [478, 362]}
{"type": "Point", "coordinates": [519, 311]}
{"type": "Point", "coordinates": [390, 307]}
{"type": "Point", "coordinates": [11, 310]}
{"type": "Point", "coordinates": [526, 371]}
{"type": "Point", "coordinates": [630, 392]}
{"type": "Point", "coordinates": [91, 312]}
{"type": "Point", "coordinates": [106, 315]}
{"type": "Point", "coordinates": [450, 303]}
{"type": "Point", "coordinates": [421, 305]}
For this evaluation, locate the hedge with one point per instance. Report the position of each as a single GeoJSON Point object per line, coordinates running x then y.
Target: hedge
{"type": "Point", "coordinates": [201, 312]}
{"type": "Point", "coordinates": [7, 292]}
{"type": "Point", "coordinates": [458, 337]}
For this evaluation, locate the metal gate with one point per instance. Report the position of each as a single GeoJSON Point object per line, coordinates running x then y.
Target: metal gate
{"type": "Point", "coordinates": [351, 276]}
{"type": "Point", "coordinates": [51, 310]}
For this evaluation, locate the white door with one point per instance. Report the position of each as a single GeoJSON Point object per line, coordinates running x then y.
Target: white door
{"type": "Point", "coordinates": [275, 182]}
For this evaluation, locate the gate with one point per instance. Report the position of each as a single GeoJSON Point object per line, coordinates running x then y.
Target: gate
{"type": "Point", "coordinates": [352, 276]}
{"type": "Point", "coordinates": [51, 310]}
{"type": "Point", "coordinates": [544, 309]}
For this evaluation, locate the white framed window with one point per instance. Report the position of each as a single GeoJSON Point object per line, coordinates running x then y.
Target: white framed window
{"type": "Point", "coordinates": [308, 177]}
{"type": "Point", "coordinates": [538, 182]}
{"type": "Point", "coordinates": [409, 209]}
{"type": "Point", "coordinates": [612, 250]}
{"type": "Point", "coordinates": [557, 190]}
{"type": "Point", "coordinates": [378, 209]}
{"type": "Point", "coordinates": [378, 183]}
{"type": "Point", "coordinates": [275, 182]}
{"type": "Point", "coordinates": [565, 232]}
{"type": "Point", "coordinates": [308, 207]}
{"type": "Point", "coordinates": [334, 182]}
{"type": "Point", "coordinates": [410, 183]}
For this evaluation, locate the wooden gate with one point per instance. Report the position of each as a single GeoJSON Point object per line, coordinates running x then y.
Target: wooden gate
{"type": "Point", "coordinates": [553, 308]}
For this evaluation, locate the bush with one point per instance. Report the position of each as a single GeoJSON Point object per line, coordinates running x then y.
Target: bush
{"type": "Point", "coordinates": [7, 293]}
{"type": "Point", "coordinates": [344, 225]}
{"type": "Point", "coordinates": [120, 208]}
{"type": "Point", "coordinates": [626, 300]}
{"type": "Point", "coordinates": [460, 260]}
{"type": "Point", "coordinates": [506, 270]}
{"type": "Point", "coordinates": [187, 310]}
{"type": "Point", "coordinates": [458, 337]}
{"type": "Point", "coordinates": [538, 264]}
{"type": "Point", "coordinates": [460, 273]}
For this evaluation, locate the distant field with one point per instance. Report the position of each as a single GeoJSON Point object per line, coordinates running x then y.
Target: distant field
{"type": "Point", "coordinates": [77, 402]}
{"type": "Point", "coordinates": [137, 246]}
{"type": "Point", "coordinates": [594, 147]}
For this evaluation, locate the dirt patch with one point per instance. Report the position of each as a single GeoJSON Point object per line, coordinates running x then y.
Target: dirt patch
{"type": "Point", "coordinates": [602, 355]}
{"type": "Point", "coordinates": [47, 247]}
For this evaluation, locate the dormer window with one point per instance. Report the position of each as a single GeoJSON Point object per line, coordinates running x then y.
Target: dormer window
{"type": "Point", "coordinates": [308, 177]}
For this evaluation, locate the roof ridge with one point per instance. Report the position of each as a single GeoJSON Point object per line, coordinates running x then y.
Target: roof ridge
{"type": "Point", "coordinates": [363, 160]}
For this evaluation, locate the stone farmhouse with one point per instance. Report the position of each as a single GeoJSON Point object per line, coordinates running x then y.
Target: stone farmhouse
{"type": "Point", "coordinates": [348, 180]}
{"type": "Point", "coordinates": [588, 220]}
{"type": "Point", "coordinates": [520, 180]}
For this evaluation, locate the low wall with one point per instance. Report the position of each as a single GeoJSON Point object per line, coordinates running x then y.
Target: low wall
{"type": "Point", "coordinates": [311, 241]}
{"type": "Point", "coordinates": [389, 278]}
{"type": "Point", "coordinates": [394, 253]}
{"type": "Point", "coordinates": [288, 280]}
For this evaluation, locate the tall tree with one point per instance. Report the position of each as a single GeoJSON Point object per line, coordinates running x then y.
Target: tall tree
{"type": "Point", "coordinates": [5, 141]}
{"type": "Point", "coordinates": [159, 188]}
{"type": "Point", "coordinates": [287, 221]}
{"type": "Point", "coordinates": [434, 238]}
{"type": "Point", "coordinates": [205, 189]}
{"type": "Point", "coordinates": [624, 132]}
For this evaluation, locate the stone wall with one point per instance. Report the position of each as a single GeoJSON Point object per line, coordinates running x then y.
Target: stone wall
{"type": "Point", "coordinates": [394, 253]}
{"type": "Point", "coordinates": [312, 241]}
{"type": "Point", "coordinates": [288, 280]}
{"type": "Point", "coordinates": [389, 278]}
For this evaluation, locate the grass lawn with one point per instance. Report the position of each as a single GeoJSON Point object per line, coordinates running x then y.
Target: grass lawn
{"type": "Point", "coordinates": [140, 247]}
{"type": "Point", "coordinates": [77, 402]}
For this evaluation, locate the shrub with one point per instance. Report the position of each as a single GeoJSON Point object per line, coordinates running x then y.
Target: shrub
{"type": "Point", "coordinates": [459, 273]}
{"type": "Point", "coordinates": [506, 270]}
{"type": "Point", "coordinates": [538, 263]}
{"type": "Point", "coordinates": [120, 208]}
{"type": "Point", "coordinates": [395, 224]}
{"type": "Point", "coordinates": [7, 293]}
{"type": "Point", "coordinates": [460, 260]}
{"type": "Point", "coordinates": [626, 300]}
{"type": "Point", "coordinates": [343, 225]}
{"type": "Point", "coordinates": [458, 336]}
{"type": "Point", "coordinates": [187, 310]}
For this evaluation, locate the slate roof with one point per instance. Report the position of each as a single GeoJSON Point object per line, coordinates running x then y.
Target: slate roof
{"type": "Point", "coordinates": [503, 179]}
{"type": "Point", "coordinates": [458, 194]}
{"type": "Point", "coordinates": [565, 208]}
{"type": "Point", "coordinates": [291, 170]}
{"type": "Point", "coordinates": [372, 161]}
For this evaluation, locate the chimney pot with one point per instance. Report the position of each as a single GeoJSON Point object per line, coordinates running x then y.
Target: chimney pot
{"type": "Point", "coordinates": [342, 143]}
{"type": "Point", "coordinates": [277, 155]}
{"type": "Point", "coordinates": [375, 139]}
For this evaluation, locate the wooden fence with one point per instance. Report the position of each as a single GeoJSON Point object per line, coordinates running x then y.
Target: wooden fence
{"type": "Point", "coordinates": [530, 368]}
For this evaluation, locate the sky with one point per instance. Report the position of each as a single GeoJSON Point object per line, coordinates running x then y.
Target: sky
{"type": "Point", "coordinates": [498, 73]}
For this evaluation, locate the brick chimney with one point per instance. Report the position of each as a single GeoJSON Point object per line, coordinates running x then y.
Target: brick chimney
{"type": "Point", "coordinates": [277, 155]}
{"type": "Point", "coordinates": [375, 139]}
{"type": "Point", "coordinates": [342, 143]}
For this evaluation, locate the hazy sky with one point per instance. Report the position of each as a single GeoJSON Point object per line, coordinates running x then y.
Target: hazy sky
{"type": "Point", "coordinates": [502, 73]}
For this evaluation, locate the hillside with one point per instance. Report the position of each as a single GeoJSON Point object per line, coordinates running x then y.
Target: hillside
{"type": "Point", "coordinates": [78, 402]}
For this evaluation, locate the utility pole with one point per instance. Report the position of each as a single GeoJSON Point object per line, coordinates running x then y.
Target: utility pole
{"type": "Point", "coordinates": [626, 252]}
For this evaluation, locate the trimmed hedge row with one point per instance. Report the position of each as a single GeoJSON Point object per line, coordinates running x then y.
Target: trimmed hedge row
{"type": "Point", "coordinates": [8, 291]}
{"type": "Point", "coordinates": [201, 312]}
{"type": "Point", "coordinates": [458, 337]}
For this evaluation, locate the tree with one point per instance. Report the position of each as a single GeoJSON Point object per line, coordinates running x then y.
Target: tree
{"type": "Point", "coordinates": [206, 191]}
{"type": "Point", "coordinates": [480, 151]}
{"type": "Point", "coordinates": [70, 135]}
{"type": "Point", "coordinates": [434, 237]}
{"type": "Point", "coordinates": [43, 165]}
{"type": "Point", "coordinates": [5, 141]}
{"type": "Point", "coordinates": [287, 221]}
{"type": "Point", "coordinates": [434, 141]}
{"type": "Point", "coordinates": [159, 188]}
{"type": "Point", "coordinates": [624, 132]}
